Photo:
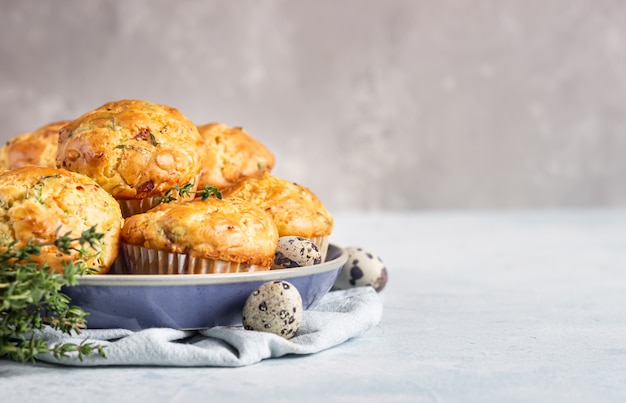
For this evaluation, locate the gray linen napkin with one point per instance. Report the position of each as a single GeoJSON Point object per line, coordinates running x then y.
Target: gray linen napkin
{"type": "Point", "coordinates": [339, 316]}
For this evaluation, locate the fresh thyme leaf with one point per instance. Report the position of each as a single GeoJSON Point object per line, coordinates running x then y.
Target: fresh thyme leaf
{"type": "Point", "coordinates": [185, 190]}
{"type": "Point", "coordinates": [31, 298]}
{"type": "Point", "coordinates": [153, 139]}
{"type": "Point", "coordinates": [209, 191]}
{"type": "Point", "coordinates": [167, 197]}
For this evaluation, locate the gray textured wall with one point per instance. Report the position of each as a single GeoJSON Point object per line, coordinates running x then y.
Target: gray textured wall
{"type": "Point", "coordinates": [372, 104]}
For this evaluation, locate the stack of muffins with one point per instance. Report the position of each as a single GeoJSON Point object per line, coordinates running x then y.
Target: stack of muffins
{"type": "Point", "coordinates": [140, 172]}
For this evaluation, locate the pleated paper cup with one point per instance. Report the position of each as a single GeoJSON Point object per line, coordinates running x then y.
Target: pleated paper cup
{"type": "Point", "coordinates": [141, 260]}
{"type": "Point", "coordinates": [322, 244]}
{"type": "Point", "coordinates": [138, 206]}
{"type": "Point", "coordinates": [118, 266]}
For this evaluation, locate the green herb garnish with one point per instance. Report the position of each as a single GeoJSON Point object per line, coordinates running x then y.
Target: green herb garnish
{"type": "Point", "coordinates": [31, 297]}
{"type": "Point", "coordinates": [123, 147]}
{"type": "Point", "coordinates": [153, 139]}
{"type": "Point", "coordinates": [208, 192]}
{"type": "Point", "coordinates": [177, 191]}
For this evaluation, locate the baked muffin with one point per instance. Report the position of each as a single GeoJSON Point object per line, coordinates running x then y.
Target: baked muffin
{"type": "Point", "coordinates": [38, 147]}
{"type": "Point", "coordinates": [37, 202]}
{"type": "Point", "coordinates": [199, 237]}
{"type": "Point", "coordinates": [4, 161]}
{"type": "Point", "coordinates": [135, 150]}
{"type": "Point", "coordinates": [295, 209]}
{"type": "Point", "coordinates": [232, 156]}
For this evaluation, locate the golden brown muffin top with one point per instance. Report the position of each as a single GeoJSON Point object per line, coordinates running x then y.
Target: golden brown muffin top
{"type": "Point", "coordinates": [232, 155]}
{"type": "Point", "coordinates": [296, 210]}
{"type": "Point", "coordinates": [36, 202]}
{"type": "Point", "coordinates": [134, 149]}
{"type": "Point", "coordinates": [216, 229]}
{"type": "Point", "coordinates": [38, 147]}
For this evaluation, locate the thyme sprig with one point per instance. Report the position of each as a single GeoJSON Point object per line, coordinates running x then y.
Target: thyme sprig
{"type": "Point", "coordinates": [31, 298]}
{"type": "Point", "coordinates": [177, 191]}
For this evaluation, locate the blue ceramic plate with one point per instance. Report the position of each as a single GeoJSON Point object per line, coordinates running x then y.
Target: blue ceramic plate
{"type": "Point", "coordinates": [191, 301]}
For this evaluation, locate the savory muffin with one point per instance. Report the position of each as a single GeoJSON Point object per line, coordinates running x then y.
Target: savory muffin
{"type": "Point", "coordinates": [4, 161]}
{"type": "Point", "coordinates": [135, 150]}
{"type": "Point", "coordinates": [198, 237]}
{"type": "Point", "coordinates": [295, 209]}
{"type": "Point", "coordinates": [39, 203]}
{"type": "Point", "coordinates": [232, 155]}
{"type": "Point", "coordinates": [38, 147]}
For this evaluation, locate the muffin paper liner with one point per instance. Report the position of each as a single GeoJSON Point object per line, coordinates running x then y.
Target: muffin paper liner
{"type": "Point", "coordinates": [137, 259]}
{"type": "Point", "coordinates": [132, 207]}
{"type": "Point", "coordinates": [322, 244]}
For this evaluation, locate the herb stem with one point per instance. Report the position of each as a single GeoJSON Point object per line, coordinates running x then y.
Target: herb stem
{"type": "Point", "coordinates": [31, 298]}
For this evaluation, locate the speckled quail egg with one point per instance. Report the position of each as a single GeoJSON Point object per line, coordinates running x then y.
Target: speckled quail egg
{"type": "Point", "coordinates": [274, 307]}
{"type": "Point", "coordinates": [363, 268]}
{"type": "Point", "coordinates": [295, 251]}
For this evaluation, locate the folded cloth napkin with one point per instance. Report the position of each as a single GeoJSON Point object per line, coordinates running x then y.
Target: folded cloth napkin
{"type": "Point", "coordinates": [339, 316]}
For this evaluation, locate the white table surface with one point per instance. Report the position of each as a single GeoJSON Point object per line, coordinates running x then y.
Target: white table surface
{"type": "Point", "coordinates": [480, 306]}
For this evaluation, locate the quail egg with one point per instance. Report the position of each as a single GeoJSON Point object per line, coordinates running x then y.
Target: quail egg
{"type": "Point", "coordinates": [274, 307]}
{"type": "Point", "coordinates": [363, 268]}
{"type": "Point", "coordinates": [295, 251]}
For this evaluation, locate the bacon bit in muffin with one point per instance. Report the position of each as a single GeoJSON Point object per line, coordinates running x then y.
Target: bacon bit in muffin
{"type": "Point", "coordinates": [146, 135]}
{"type": "Point", "coordinates": [145, 187]}
{"type": "Point", "coordinates": [143, 134]}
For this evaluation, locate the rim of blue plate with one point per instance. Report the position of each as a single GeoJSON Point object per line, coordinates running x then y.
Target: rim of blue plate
{"type": "Point", "coordinates": [337, 254]}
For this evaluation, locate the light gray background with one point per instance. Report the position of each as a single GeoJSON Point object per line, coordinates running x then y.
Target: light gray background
{"type": "Point", "coordinates": [372, 104]}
